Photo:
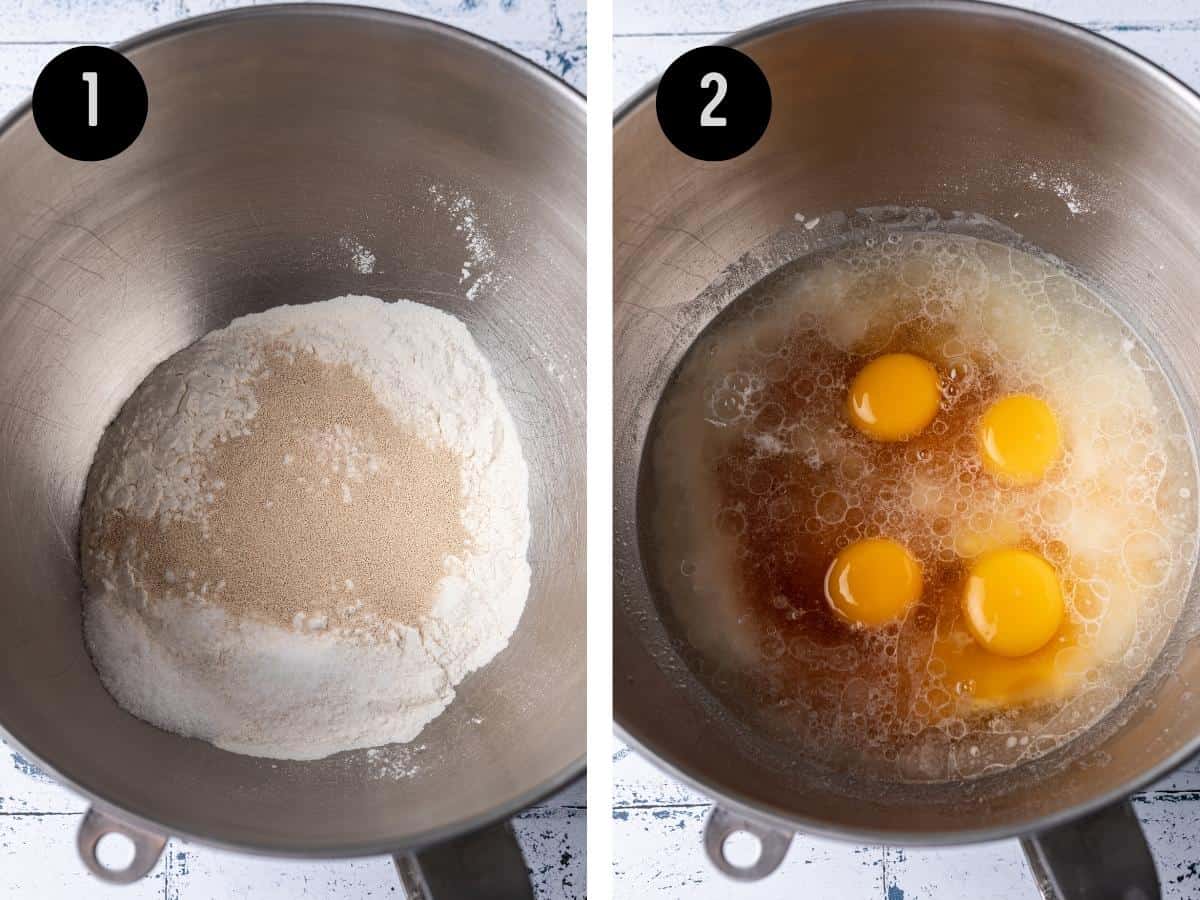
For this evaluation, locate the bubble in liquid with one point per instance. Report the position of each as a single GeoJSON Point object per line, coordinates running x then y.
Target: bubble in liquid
{"type": "Point", "coordinates": [760, 482]}
{"type": "Point", "coordinates": [803, 388]}
{"type": "Point", "coordinates": [1055, 507]}
{"type": "Point", "coordinates": [1146, 558]}
{"type": "Point", "coordinates": [1057, 552]}
{"type": "Point", "coordinates": [854, 466]}
{"type": "Point", "coordinates": [979, 521]}
{"type": "Point", "coordinates": [727, 405]}
{"type": "Point", "coordinates": [773, 647]}
{"type": "Point", "coordinates": [730, 522]}
{"type": "Point", "coordinates": [780, 509]}
{"type": "Point", "coordinates": [832, 507]}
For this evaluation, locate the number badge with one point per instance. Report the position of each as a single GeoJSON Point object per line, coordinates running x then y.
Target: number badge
{"type": "Point", "coordinates": [714, 103]}
{"type": "Point", "coordinates": [90, 103]}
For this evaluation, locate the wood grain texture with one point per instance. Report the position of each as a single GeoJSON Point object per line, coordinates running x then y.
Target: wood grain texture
{"type": "Point", "coordinates": [649, 34]}
{"type": "Point", "coordinates": [551, 33]}
{"type": "Point", "coordinates": [38, 818]}
{"type": "Point", "coordinates": [658, 827]}
{"type": "Point", "coordinates": [658, 823]}
{"type": "Point", "coordinates": [724, 16]}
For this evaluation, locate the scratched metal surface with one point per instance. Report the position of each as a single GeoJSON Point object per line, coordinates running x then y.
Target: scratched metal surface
{"type": "Point", "coordinates": [658, 823]}
{"type": "Point", "coordinates": [38, 818]}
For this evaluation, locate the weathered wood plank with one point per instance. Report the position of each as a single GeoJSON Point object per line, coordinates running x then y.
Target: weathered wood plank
{"type": "Point", "coordinates": [105, 21]}
{"type": "Point", "coordinates": [641, 59]}
{"type": "Point", "coordinates": [658, 854]}
{"type": "Point", "coordinates": [38, 819]}
{"type": "Point", "coordinates": [550, 33]}
{"type": "Point", "coordinates": [722, 16]}
{"type": "Point", "coordinates": [38, 859]}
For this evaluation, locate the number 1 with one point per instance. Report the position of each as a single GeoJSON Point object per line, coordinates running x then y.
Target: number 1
{"type": "Point", "coordinates": [706, 117]}
{"type": "Point", "coordinates": [93, 102]}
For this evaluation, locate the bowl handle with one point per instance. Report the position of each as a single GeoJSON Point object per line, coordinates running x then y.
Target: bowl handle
{"type": "Point", "coordinates": [1103, 856]}
{"type": "Point", "coordinates": [147, 848]}
{"type": "Point", "coordinates": [773, 845]}
{"type": "Point", "coordinates": [483, 865]}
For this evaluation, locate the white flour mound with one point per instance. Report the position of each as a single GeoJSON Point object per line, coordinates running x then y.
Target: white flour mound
{"type": "Point", "coordinates": [184, 663]}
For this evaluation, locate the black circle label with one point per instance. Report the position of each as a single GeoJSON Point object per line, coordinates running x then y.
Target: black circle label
{"type": "Point", "coordinates": [714, 103]}
{"type": "Point", "coordinates": [90, 103]}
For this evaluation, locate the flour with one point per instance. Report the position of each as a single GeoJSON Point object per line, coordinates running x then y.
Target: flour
{"type": "Point", "coordinates": [306, 647]}
{"type": "Point", "coordinates": [477, 269]}
{"type": "Point", "coordinates": [1067, 192]}
{"type": "Point", "coordinates": [362, 260]}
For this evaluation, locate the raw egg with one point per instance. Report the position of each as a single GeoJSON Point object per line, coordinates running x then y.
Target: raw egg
{"type": "Point", "coordinates": [894, 397]}
{"type": "Point", "coordinates": [1011, 641]}
{"type": "Point", "coordinates": [1019, 438]}
{"type": "Point", "coordinates": [981, 679]}
{"type": "Point", "coordinates": [1012, 602]}
{"type": "Point", "coordinates": [873, 582]}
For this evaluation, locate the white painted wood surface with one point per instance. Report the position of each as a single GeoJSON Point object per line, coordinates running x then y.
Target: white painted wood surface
{"type": "Point", "coordinates": [38, 818]}
{"type": "Point", "coordinates": [658, 850]}
{"type": "Point", "coordinates": [658, 823]}
{"type": "Point", "coordinates": [32, 32]}
{"type": "Point", "coordinates": [649, 34]}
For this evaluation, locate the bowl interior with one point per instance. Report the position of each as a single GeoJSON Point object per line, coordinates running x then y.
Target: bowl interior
{"type": "Point", "coordinates": [1083, 149]}
{"type": "Point", "coordinates": [278, 142]}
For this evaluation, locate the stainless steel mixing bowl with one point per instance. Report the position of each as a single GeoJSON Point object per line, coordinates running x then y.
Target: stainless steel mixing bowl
{"type": "Point", "coordinates": [1087, 151]}
{"type": "Point", "coordinates": [275, 137]}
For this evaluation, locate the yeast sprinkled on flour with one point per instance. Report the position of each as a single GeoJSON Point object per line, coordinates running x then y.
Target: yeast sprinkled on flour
{"type": "Point", "coordinates": [302, 531]}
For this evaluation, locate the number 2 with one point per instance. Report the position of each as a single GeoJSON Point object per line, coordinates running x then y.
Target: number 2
{"type": "Point", "coordinates": [93, 100]}
{"type": "Point", "coordinates": [706, 117]}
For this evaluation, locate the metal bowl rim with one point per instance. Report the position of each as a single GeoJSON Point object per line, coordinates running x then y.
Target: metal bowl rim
{"type": "Point", "coordinates": [573, 770]}
{"type": "Point", "coordinates": [1117, 54]}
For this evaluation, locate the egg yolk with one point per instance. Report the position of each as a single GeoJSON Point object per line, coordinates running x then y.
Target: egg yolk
{"type": "Point", "coordinates": [873, 582]}
{"type": "Point", "coordinates": [1018, 438]}
{"type": "Point", "coordinates": [1012, 602]}
{"type": "Point", "coordinates": [894, 397]}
